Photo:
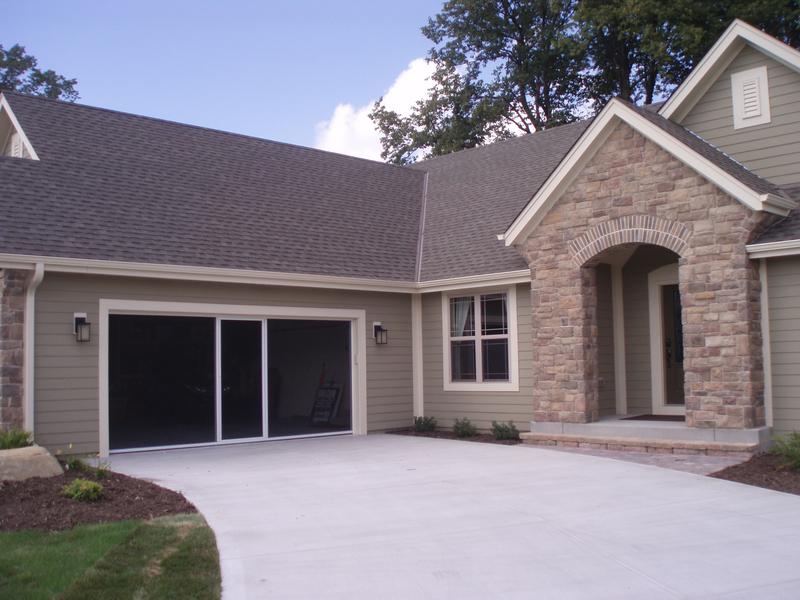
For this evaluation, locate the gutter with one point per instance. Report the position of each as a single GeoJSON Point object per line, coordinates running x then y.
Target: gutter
{"type": "Point", "coordinates": [774, 249]}
{"type": "Point", "coordinates": [28, 341]}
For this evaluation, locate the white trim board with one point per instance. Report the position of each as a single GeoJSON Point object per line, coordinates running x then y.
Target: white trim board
{"type": "Point", "coordinates": [774, 249]}
{"type": "Point", "coordinates": [6, 109]}
{"type": "Point", "coordinates": [716, 60]}
{"type": "Point", "coordinates": [766, 342]}
{"type": "Point", "coordinates": [358, 333]}
{"type": "Point", "coordinates": [86, 266]}
{"type": "Point", "coordinates": [592, 140]}
{"type": "Point", "coordinates": [417, 362]}
{"type": "Point", "coordinates": [666, 275]}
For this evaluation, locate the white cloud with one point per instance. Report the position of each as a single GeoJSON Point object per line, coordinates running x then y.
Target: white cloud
{"type": "Point", "coordinates": [350, 130]}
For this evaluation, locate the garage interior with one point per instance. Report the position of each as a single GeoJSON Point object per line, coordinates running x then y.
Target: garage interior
{"type": "Point", "coordinates": [185, 380]}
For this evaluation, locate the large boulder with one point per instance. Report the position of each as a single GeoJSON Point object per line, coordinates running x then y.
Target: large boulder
{"type": "Point", "coordinates": [24, 463]}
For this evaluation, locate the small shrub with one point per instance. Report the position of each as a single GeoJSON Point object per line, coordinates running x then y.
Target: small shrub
{"type": "Point", "coordinates": [73, 463]}
{"type": "Point", "coordinates": [14, 438]}
{"type": "Point", "coordinates": [424, 424]}
{"type": "Point", "coordinates": [788, 448]}
{"type": "Point", "coordinates": [505, 431]}
{"type": "Point", "coordinates": [463, 428]}
{"type": "Point", "coordinates": [102, 470]}
{"type": "Point", "coordinates": [83, 490]}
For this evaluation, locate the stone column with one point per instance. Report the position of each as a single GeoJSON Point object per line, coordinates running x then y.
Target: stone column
{"type": "Point", "coordinates": [564, 319]}
{"type": "Point", "coordinates": [13, 284]}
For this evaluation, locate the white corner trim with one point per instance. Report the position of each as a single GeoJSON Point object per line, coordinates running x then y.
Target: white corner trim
{"type": "Point", "coordinates": [28, 343]}
{"type": "Point", "coordinates": [358, 317]}
{"type": "Point", "coordinates": [592, 140]}
{"type": "Point", "coordinates": [717, 60]}
{"type": "Point", "coordinates": [417, 364]}
{"type": "Point", "coordinates": [666, 275]}
{"type": "Point", "coordinates": [5, 108]}
{"type": "Point", "coordinates": [512, 385]}
{"type": "Point", "coordinates": [618, 321]}
{"type": "Point", "coordinates": [773, 249]}
{"type": "Point", "coordinates": [766, 343]}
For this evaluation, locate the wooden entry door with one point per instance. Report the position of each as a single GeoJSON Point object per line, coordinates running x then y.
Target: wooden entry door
{"type": "Point", "coordinates": [673, 345]}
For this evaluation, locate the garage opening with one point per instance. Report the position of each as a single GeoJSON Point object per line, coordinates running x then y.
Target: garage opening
{"type": "Point", "coordinates": [180, 380]}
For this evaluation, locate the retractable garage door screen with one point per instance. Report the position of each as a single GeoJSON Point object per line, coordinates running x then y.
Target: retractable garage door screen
{"type": "Point", "coordinates": [178, 378]}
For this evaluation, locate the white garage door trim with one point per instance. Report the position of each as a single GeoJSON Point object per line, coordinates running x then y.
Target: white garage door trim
{"type": "Point", "coordinates": [358, 334]}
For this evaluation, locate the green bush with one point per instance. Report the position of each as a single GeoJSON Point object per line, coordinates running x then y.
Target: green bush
{"type": "Point", "coordinates": [83, 490]}
{"type": "Point", "coordinates": [788, 448]}
{"type": "Point", "coordinates": [463, 428]}
{"type": "Point", "coordinates": [73, 463]}
{"type": "Point", "coordinates": [505, 431]}
{"type": "Point", "coordinates": [14, 438]}
{"type": "Point", "coordinates": [424, 424]}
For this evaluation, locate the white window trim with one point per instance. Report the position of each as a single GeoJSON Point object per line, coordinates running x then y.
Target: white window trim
{"type": "Point", "coordinates": [512, 385]}
{"type": "Point", "coordinates": [358, 333]}
{"type": "Point", "coordinates": [738, 79]}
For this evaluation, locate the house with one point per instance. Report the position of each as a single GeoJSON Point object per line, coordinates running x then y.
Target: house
{"type": "Point", "coordinates": [168, 285]}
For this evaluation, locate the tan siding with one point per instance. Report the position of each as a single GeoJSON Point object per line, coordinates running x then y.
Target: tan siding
{"type": "Point", "coordinates": [605, 341]}
{"type": "Point", "coordinates": [66, 386]}
{"type": "Point", "coordinates": [771, 150]}
{"type": "Point", "coordinates": [480, 407]}
{"type": "Point", "coordinates": [637, 324]}
{"type": "Point", "coordinates": [783, 278]}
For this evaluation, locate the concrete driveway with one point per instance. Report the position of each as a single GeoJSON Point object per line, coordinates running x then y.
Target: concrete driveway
{"type": "Point", "coordinates": [388, 516]}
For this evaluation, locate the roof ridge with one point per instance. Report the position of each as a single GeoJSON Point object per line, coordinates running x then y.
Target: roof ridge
{"type": "Point", "coordinates": [497, 143]}
{"type": "Point", "coordinates": [201, 127]}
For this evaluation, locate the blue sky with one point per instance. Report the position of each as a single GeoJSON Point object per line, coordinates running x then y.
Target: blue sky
{"type": "Point", "coordinates": [274, 69]}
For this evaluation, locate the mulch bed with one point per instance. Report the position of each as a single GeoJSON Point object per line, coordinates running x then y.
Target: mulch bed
{"type": "Point", "coordinates": [37, 503]}
{"type": "Point", "coordinates": [763, 470]}
{"type": "Point", "coordinates": [486, 438]}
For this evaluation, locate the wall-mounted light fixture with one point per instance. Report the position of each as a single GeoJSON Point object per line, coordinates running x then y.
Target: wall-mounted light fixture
{"type": "Point", "coordinates": [380, 334]}
{"type": "Point", "coordinates": [82, 328]}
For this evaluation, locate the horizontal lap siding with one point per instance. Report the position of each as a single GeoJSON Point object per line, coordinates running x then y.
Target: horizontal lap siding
{"type": "Point", "coordinates": [784, 323]}
{"type": "Point", "coordinates": [66, 381]}
{"type": "Point", "coordinates": [771, 150]}
{"type": "Point", "coordinates": [480, 407]}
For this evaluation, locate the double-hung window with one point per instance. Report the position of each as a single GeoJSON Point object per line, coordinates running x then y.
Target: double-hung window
{"type": "Point", "coordinates": [480, 340]}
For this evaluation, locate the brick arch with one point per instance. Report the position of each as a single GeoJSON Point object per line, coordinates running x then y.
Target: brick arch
{"type": "Point", "coordinates": [633, 229]}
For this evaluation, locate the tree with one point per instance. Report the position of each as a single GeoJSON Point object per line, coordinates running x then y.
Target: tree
{"type": "Point", "coordinates": [502, 66]}
{"type": "Point", "coordinates": [512, 66]}
{"type": "Point", "coordinates": [19, 72]}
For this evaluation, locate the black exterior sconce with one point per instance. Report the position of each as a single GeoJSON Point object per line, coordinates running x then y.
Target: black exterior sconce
{"type": "Point", "coordinates": [82, 328]}
{"type": "Point", "coordinates": [380, 334]}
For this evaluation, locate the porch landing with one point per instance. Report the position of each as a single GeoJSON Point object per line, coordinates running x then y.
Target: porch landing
{"type": "Point", "coordinates": [614, 433]}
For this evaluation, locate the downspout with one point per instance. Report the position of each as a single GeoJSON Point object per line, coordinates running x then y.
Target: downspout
{"type": "Point", "coordinates": [28, 346]}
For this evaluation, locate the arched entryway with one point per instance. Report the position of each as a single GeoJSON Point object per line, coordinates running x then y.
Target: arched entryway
{"type": "Point", "coordinates": [639, 342]}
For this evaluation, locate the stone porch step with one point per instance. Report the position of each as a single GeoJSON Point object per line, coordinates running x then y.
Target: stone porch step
{"type": "Point", "coordinates": [633, 444]}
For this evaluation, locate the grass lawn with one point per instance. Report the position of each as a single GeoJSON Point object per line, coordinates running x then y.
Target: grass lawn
{"type": "Point", "coordinates": [170, 557]}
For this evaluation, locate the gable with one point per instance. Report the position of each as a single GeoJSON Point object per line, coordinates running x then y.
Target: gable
{"type": "Point", "coordinates": [13, 141]}
{"type": "Point", "coordinates": [771, 146]}
{"type": "Point", "coordinates": [728, 175]}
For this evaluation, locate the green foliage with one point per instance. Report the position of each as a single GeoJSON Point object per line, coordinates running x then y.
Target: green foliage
{"type": "Point", "coordinates": [505, 431]}
{"type": "Point", "coordinates": [523, 65]}
{"type": "Point", "coordinates": [788, 448]}
{"type": "Point", "coordinates": [83, 490]}
{"type": "Point", "coordinates": [75, 463]}
{"type": "Point", "coordinates": [169, 557]}
{"type": "Point", "coordinates": [40, 565]}
{"type": "Point", "coordinates": [14, 438]}
{"type": "Point", "coordinates": [424, 423]}
{"type": "Point", "coordinates": [102, 470]}
{"type": "Point", "coordinates": [19, 72]}
{"type": "Point", "coordinates": [464, 428]}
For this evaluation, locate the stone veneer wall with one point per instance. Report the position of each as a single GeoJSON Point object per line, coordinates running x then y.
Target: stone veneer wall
{"type": "Point", "coordinates": [632, 191]}
{"type": "Point", "coordinates": [12, 322]}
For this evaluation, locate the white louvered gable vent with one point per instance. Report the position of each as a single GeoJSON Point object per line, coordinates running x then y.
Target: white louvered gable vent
{"type": "Point", "coordinates": [750, 90]}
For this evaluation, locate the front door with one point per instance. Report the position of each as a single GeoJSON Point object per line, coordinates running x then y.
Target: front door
{"type": "Point", "coordinates": [673, 345]}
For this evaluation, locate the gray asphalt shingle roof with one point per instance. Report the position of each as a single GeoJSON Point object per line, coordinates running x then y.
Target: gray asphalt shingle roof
{"type": "Point", "coordinates": [121, 187]}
